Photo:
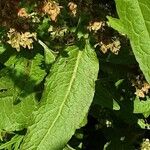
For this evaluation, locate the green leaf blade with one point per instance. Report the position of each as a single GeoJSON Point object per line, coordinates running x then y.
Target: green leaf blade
{"type": "Point", "coordinates": [17, 95]}
{"type": "Point", "coordinates": [69, 91]}
{"type": "Point", "coordinates": [135, 23]}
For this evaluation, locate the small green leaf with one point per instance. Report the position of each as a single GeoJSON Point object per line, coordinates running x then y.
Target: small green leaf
{"type": "Point", "coordinates": [143, 124]}
{"type": "Point", "coordinates": [49, 56]}
{"type": "Point", "coordinates": [68, 93]}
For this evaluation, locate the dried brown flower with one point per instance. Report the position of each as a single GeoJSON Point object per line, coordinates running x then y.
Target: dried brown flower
{"type": "Point", "coordinates": [23, 13]}
{"type": "Point", "coordinates": [52, 9]}
{"type": "Point", "coordinates": [73, 8]}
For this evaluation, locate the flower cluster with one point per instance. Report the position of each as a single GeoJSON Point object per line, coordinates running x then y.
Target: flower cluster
{"type": "Point", "coordinates": [145, 144]}
{"type": "Point", "coordinates": [33, 17]}
{"type": "Point", "coordinates": [17, 39]}
{"type": "Point", "coordinates": [95, 26]}
{"type": "Point", "coordinates": [114, 47]}
{"type": "Point", "coordinates": [142, 87]}
{"type": "Point", "coordinates": [52, 9]}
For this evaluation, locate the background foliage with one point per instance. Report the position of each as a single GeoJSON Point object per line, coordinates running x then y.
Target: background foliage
{"type": "Point", "coordinates": [74, 75]}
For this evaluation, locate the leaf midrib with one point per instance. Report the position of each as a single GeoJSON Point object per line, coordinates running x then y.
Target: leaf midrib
{"type": "Point", "coordinates": [66, 95]}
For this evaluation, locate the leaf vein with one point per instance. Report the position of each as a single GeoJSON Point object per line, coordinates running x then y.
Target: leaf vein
{"type": "Point", "coordinates": [66, 95]}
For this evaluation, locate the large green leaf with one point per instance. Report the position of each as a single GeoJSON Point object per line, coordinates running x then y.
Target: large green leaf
{"type": "Point", "coordinates": [68, 93]}
{"type": "Point", "coordinates": [135, 23]}
{"type": "Point", "coordinates": [17, 95]}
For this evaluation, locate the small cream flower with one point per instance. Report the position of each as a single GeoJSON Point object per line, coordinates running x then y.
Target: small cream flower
{"type": "Point", "coordinates": [17, 39]}
{"type": "Point", "coordinates": [139, 93]}
{"type": "Point", "coordinates": [142, 87]}
{"type": "Point", "coordinates": [114, 47]}
{"type": "Point", "coordinates": [95, 26]}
